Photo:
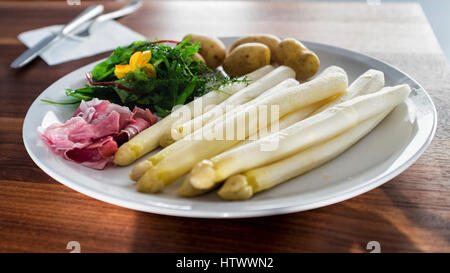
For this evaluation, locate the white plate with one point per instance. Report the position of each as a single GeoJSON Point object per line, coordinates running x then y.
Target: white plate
{"type": "Point", "coordinates": [387, 151]}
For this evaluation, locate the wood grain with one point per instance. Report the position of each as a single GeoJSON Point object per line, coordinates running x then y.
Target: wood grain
{"type": "Point", "coordinates": [411, 213]}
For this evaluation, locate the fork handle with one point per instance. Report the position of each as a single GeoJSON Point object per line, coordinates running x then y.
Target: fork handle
{"type": "Point", "coordinates": [85, 16]}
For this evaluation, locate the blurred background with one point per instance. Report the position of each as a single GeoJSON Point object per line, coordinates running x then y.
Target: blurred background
{"type": "Point", "coordinates": [437, 12]}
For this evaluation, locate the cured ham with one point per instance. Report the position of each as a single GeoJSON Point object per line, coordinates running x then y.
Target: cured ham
{"type": "Point", "coordinates": [92, 135]}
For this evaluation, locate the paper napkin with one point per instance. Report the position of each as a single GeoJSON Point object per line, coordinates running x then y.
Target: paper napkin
{"type": "Point", "coordinates": [105, 36]}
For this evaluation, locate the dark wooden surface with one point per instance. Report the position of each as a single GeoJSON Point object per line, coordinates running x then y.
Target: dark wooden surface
{"type": "Point", "coordinates": [411, 213]}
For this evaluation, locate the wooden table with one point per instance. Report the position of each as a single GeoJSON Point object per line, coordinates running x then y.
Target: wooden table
{"type": "Point", "coordinates": [409, 214]}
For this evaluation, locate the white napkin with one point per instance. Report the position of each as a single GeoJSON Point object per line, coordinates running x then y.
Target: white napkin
{"type": "Point", "coordinates": [105, 36]}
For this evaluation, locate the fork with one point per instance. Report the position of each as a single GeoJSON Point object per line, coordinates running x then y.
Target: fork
{"type": "Point", "coordinates": [83, 35]}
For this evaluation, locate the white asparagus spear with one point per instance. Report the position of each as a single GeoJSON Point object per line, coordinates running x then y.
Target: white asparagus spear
{"type": "Point", "coordinates": [141, 168]}
{"type": "Point", "coordinates": [333, 81]}
{"type": "Point", "coordinates": [250, 92]}
{"type": "Point", "coordinates": [178, 158]}
{"type": "Point", "coordinates": [187, 190]}
{"type": "Point", "coordinates": [149, 139]}
{"type": "Point", "coordinates": [243, 186]}
{"type": "Point", "coordinates": [300, 136]}
{"type": "Point", "coordinates": [369, 82]}
{"type": "Point", "coordinates": [177, 127]}
{"type": "Point", "coordinates": [188, 126]}
{"type": "Point", "coordinates": [290, 82]}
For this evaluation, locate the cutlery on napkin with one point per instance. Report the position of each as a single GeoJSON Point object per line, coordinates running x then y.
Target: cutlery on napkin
{"type": "Point", "coordinates": [106, 36]}
{"type": "Point", "coordinates": [56, 44]}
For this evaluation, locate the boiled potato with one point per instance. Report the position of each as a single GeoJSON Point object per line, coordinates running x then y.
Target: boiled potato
{"type": "Point", "coordinates": [269, 40]}
{"type": "Point", "coordinates": [198, 57]}
{"type": "Point", "coordinates": [211, 49]}
{"type": "Point", "coordinates": [246, 58]}
{"type": "Point", "coordinates": [295, 55]}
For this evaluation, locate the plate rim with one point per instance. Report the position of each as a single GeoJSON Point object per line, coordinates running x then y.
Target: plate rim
{"type": "Point", "coordinates": [199, 213]}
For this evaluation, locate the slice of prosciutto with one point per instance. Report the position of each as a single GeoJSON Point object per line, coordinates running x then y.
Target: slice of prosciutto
{"type": "Point", "coordinates": [92, 135]}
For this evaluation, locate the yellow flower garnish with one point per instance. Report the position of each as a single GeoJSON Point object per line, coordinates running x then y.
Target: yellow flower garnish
{"type": "Point", "coordinates": [137, 60]}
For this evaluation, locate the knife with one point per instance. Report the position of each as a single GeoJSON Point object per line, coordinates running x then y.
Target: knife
{"type": "Point", "coordinates": [45, 43]}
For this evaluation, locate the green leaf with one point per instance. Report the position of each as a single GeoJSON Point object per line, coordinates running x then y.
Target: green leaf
{"type": "Point", "coordinates": [61, 103]}
{"type": "Point", "coordinates": [75, 94]}
{"type": "Point", "coordinates": [123, 95]}
{"type": "Point", "coordinates": [186, 92]}
{"type": "Point", "coordinates": [161, 112]}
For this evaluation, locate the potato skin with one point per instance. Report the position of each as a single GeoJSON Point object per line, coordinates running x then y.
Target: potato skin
{"type": "Point", "coordinates": [269, 40]}
{"type": "Point", "coordinates": [198, 57]}
{"type": "Point", "coordinates": [246, 58]}
{"type": "Point", "coordinates": [212, 49]}
{"type": "Point", "coordinates": [295, 55]}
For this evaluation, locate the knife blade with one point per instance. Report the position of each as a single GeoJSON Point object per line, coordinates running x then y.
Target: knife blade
{"type": "Point", "coordinates": [45, 43]}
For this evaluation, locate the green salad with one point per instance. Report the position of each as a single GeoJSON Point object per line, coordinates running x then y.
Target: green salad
{"type": "Point", "coordinates": [151, 75]}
